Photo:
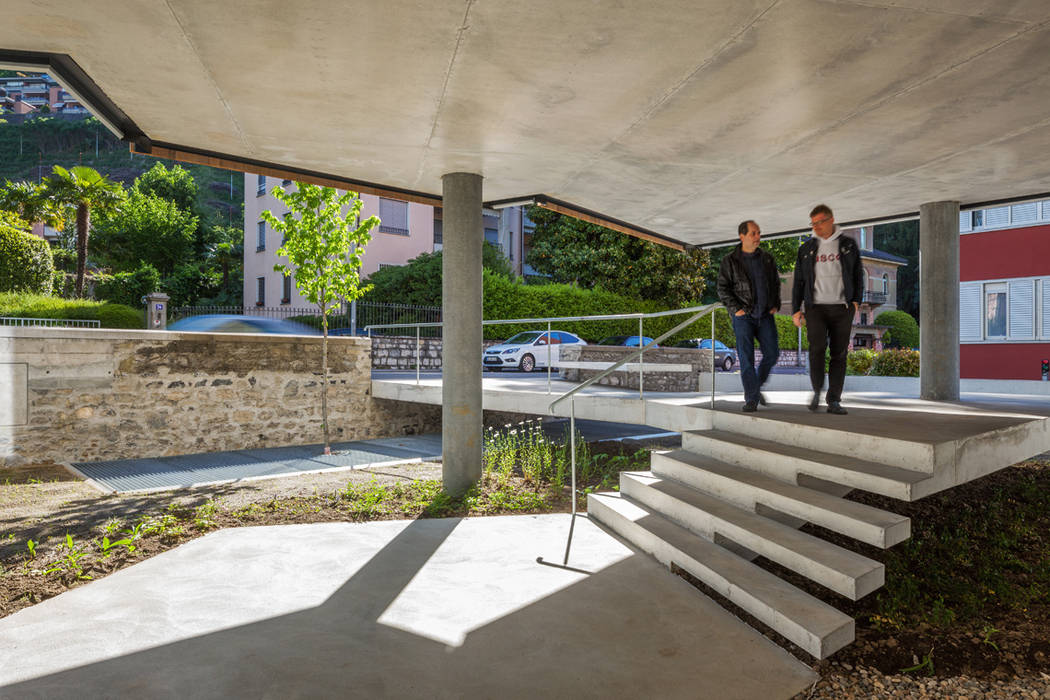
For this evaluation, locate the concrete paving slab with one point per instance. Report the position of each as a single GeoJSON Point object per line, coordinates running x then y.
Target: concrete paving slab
{"type": "Point", "coordinates": [436, 608]}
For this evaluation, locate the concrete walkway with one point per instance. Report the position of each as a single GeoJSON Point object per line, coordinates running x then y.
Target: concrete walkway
{"type": "Point", "coordinates": [451, 608]}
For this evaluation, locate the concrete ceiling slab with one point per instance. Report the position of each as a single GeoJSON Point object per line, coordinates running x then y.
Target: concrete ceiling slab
{"type": "Point", "coordinates": [678, 117]}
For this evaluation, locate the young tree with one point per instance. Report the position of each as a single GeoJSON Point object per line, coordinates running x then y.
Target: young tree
{"type": "Point", "coordinates": [86, 189]}
{"type": "Point", "coordinates": [324, 248]}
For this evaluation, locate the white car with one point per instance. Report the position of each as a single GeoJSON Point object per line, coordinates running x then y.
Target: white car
{"type": "Point", "coordinates": [528, 350]}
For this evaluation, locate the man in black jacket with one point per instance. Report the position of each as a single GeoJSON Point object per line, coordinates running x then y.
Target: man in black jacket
{"type": "Point", "coordinates": [826, 293]}
{"type": "Point", "coordinates": [749, 286]}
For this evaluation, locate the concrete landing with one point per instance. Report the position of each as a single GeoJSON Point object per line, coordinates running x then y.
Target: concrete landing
{"type": "Point", "coordinates": [451, 608]}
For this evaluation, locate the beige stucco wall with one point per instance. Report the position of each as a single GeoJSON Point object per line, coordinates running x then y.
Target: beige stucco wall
{"type": "Point", "coordinates": [80, 395]}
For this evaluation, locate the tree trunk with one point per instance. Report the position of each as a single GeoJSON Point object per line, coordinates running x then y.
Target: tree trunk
{"type": "Point", "coordinates": [83, 222]}
{"type": "Point", "coordinates": [324, 378]}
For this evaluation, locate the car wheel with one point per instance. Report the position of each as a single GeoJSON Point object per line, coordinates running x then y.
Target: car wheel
{"type": "Point", "coordinates": [727, 364]}
{"type": "Point", "coordinates": [528, 363]}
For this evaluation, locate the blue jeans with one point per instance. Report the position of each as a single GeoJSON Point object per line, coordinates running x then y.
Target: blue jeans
{"type": "Point", "coordinates": [747, 330]}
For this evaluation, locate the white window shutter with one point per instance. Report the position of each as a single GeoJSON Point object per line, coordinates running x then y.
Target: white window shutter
{"type": "Point", "coordinates": [1046, 210]}
{"type": "Point", "coordinates": [965, 221]}
{"type": "Point", "coordinates": [1000, 216]}
{"type": "Point", "coordinates": [1044, 286]}
{"type": "Point", "coordinates": [1024, 213]}
{"type": "Point", "coordinates": [970, 311]}
{"type": "Point", "coordinates": [1021, 303]}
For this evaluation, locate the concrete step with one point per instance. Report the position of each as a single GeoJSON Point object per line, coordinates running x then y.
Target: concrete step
{"type": "Point", "coordinates": [835, 437]}
{"type": "Point", "coordinates": [788, 462]}
{"type": "Point", "coordinates": [838, 569]}
{"type": "Point", "coordinates": [810, 623]}
{"type": "Point", "coordinates": [751, 489]}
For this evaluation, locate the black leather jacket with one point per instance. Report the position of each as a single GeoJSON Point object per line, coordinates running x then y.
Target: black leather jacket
{"type": "Point", "coordinates": [734, 286]}
{"type": "Point", "coordinates": [805, 274]}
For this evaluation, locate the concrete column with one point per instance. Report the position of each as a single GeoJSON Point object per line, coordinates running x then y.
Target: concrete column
{"type": "Point", "coordinates": [461, 289]}
{"type": "Point", "coordinates": [939, 301]}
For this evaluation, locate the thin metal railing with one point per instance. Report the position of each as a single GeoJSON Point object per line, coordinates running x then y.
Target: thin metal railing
{"type": "Point", "coordinates": [49, 322]}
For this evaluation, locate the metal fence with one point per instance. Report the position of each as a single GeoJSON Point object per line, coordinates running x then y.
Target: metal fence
{"type": "Point", "coordinates": [49, 322]}
{"type": "Point", "coordinates": [351, 316]}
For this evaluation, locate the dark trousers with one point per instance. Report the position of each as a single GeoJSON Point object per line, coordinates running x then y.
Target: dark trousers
{"type": "Point", "coordinates": [747, 330]}
{"type": "Point", "coordinates": [824, 323]}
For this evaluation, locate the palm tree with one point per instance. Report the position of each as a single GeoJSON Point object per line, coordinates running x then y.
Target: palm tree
{"type": "Point", "coordinates": [86, 189]}
{"type": "Point", "coordinates": [31, 203]}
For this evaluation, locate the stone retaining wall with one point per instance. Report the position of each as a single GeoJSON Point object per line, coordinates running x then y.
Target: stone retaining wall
{"type": "Point", "coordinates": [69, 395]}
{"type": "Point", "coordinates": [655, 379]}
{"type": "Point", "coordinates": [399, 352]}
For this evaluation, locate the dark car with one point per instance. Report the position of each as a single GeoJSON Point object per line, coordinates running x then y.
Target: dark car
{"type": "Point", "coordinates": [234, 323]}
{"type": "Point", "coordinates": [725, 356]}
{"type": "Point", "coordinates": [630, 341]}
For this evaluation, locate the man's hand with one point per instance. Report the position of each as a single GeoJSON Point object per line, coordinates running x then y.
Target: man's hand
{"type": "Point", "coordinates": [798, 319]}
{"type": "Point", "coordinates": [856, 307]}
{"type": "Point", "coordinates": [741, 312]}
{"type": "Point", "coordinates": [774, 310]}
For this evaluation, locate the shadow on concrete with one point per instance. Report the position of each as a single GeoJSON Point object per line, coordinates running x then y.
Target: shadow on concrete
{"type": "Point", "coordinates": [625, 631]}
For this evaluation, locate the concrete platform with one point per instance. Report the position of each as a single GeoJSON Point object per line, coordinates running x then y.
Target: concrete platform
{"type": "Point", "coordinates": [451, 608]}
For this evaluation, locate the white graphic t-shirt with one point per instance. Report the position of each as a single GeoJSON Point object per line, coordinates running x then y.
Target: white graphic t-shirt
{"type": "Point", "coordinates": [827, 283]}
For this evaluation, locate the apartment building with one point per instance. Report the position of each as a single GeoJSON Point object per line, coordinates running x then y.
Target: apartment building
{"type": "Point", "coordinates": [1004, 291]}
{"type": "Point", "coordinates": [34, 93]}
{"type": "Point", "coordinates": [407, 230]}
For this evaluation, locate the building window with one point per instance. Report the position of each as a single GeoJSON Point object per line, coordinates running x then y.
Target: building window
{"type": "Point", "coordinates": [261, 189]}
{"type": "Point", "coordinates": [885, 283]}
{"type": "Point", "coordinates": [286, 289]}
{"type": "Point", "coordinates": [492, 236]}
{"type": "Point", "coordinates": [864, 319]}
{"type": "Point", "coordinates": [260, 291]}
{"type": "Point", "coordinates": [383, 266]}
{"type": "Point", "coordinates": [285, 183]}
{"type": "Point", "coordinates": [261, 242]}
{"type": "Point", "coordinates": [393, 216]}
{"type": "Point", "coordinates": [438, 226]}
{"type": "Point", "coordinates": [995, 311]}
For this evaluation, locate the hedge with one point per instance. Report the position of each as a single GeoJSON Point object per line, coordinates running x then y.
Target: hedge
{"type": "Point", "coordinates": [128, 288]}
{"type": "Point", "coordinates": [903, 332]}
{"type": "Point", "coordinates": [26, 264]}
{"type": "Point", "coordinates": [896, 363]}
{"type": "Point", "coordinates": [860, 361]}
{"type": "Point", "coordinates": [40, 306]}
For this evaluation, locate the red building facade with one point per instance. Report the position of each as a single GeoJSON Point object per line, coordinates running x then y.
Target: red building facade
{"type": "Point", "coordinates": [1004, 291]}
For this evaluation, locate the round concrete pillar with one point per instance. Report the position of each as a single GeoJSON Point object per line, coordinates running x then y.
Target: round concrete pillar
{"type": "Point", "coordinates": [939, 301]}
{"type": "Point", "coordinates": [461, 312]}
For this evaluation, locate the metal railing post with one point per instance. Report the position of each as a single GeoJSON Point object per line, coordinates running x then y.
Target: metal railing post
{"type": "Point", "coordinates": [417, 355]}
{"type": "Point", "coordinates": [550, 341]}
{"type": "Point", "coordinates": [798, 352]}
{"type": "Point", "coordinates": [641, 362]}
{"type": "Point", "coordinates": [713, 312]}
{"type": "Point", "coordinates": [572, 450]}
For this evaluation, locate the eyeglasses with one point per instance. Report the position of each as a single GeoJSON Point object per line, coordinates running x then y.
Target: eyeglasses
{"type": "Point", "coordinates": [814, 224]}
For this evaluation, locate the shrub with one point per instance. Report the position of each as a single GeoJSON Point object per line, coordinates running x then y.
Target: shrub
{"type": "Point", "coordinates": [903, 332]}
{"type": "Point", "coordinates": [128, 288]}
{"type": "Point", "coordinates": [787, 334]}
{"type": "Point", "coordinates": [896, 363]}
{"type": "Point", "coordinates": [41, 306]}
{"type": "Point", "coordinates": [26, 264]}
{"type": "Point", "coordinates": [860, 361]}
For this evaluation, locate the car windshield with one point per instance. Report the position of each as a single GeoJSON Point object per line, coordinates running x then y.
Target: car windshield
{"type": "Point", "coordinates": [523, 338]}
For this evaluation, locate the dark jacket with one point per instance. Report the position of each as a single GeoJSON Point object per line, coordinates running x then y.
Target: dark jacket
{"type": "Point", "coordinates": [734, 286]}
{"type": "Point", "coordinates": [805, 272]}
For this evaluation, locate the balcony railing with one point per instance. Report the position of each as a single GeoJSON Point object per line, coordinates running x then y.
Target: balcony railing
{"type": "Point", "coordinates": [871, 297]}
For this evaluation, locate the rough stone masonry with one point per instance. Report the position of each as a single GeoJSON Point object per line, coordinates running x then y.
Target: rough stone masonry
{"type": "Point", "coordinates": [71, 395]}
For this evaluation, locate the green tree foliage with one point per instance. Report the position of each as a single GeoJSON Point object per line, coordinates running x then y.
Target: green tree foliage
{"type": "Point", "coordinates": [147, 230]}
{"type": "Point", "coordinates": [175, 185]}
{"type": "Point", "coordinates": [903, 332]}
{"type": "Point", "coordinates": [324, 248]}
{"type": "Point", "coordinates": [902, 238]}
{"type": "Point", "coordinates": [191, 282]}
{"type": "Point", "coordinates": [128, 288]}
{"type": "Point", "coordinates": [31, 203]}
{"type": "Point", "coordinates": [85, 189]}
{"type": "Point", "coordinates": [575, 252]}
{"type": "Point", "coordinates": [25, 260]}
{"type": "Point", "coordinates": [419, 281]}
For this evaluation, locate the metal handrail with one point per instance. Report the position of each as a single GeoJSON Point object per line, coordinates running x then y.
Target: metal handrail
{"type": "Point", "coordinates": [700, 311]}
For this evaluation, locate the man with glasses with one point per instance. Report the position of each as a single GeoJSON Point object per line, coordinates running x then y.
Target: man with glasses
{"type": "Point", "coordinates": [825, 295]}
{"type": "Point", "coordinates": [749, 286]}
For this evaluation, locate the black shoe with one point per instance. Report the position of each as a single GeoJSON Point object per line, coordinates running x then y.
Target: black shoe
{"type": "Point", "coordinates": [836, 408]}
{"type": "Point", "coordinates": [762, 399]}
{"type": "Point", "coordinates": [814, 403]}
{"type": "Point", "coordinates": [750, 407]}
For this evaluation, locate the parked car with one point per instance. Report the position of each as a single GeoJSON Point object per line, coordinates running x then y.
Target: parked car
{"type": "Point", "coordinates": [528, 350]}
{"type": "Point", "coordinates": [630, 341]}
{"type": "Point", "coordinates": [233, 323]}
{"type": "Point", "coordinates": [725, 356]}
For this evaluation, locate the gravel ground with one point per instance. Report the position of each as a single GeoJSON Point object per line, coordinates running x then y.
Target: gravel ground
{"type": "Point", "coordinates": [841, 681]}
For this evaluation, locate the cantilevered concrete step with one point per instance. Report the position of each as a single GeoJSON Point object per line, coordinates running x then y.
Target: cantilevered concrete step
{"type": "Point", "coordinates": [810, 623]}
{"type": "Point", "coordinates": [786, 462]}
{"type": "Point", "coordinates": [831, 566]}
{"type": "Point", "coordinates": [820, 431]}
{"type": "Point", "coordinates": [749, 489]}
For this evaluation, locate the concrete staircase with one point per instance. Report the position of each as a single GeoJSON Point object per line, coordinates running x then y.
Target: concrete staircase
{"type": "Point", "coordinates": [738, 491]}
